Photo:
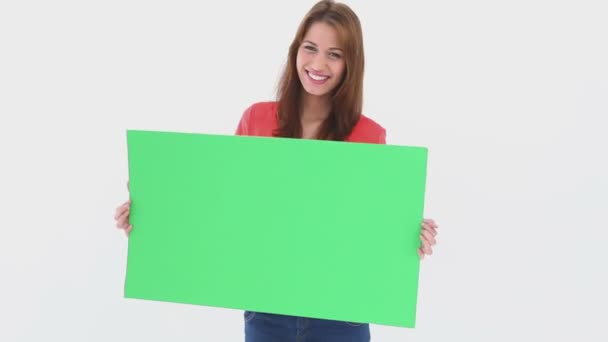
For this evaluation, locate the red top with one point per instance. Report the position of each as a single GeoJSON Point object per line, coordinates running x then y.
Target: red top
{"type": "Point", "coordinates": [260, 119]}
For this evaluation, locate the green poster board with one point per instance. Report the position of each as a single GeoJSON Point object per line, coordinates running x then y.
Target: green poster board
{"type": "Point", "coordinates": [298, 227]}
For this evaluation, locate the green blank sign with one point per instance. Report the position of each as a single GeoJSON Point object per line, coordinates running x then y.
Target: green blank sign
{"type": "Point", "coordinates": [297, 227]}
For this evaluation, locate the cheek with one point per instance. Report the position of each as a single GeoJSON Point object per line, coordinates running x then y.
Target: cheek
{"type": "Point", "coordinates": [300, 60]}
{"type": "Point", "coordinates": [299, 65]}
{"type": "Point", "coordinates": [338, 69]}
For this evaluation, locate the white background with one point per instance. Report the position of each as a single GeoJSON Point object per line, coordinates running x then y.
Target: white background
{"type": "Point", "coordinates": [511, 98]}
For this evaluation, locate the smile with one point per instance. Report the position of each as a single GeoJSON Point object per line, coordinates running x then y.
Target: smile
{"type": "Point", "coordinates": [316, 79]}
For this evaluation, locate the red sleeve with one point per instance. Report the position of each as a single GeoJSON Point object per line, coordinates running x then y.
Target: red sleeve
{"type": "Point", "coordinates": [382, 137]}
{"type": "Point", "coordinates": [243, 127]}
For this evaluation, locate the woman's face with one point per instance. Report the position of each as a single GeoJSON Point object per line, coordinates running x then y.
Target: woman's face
{"type": "Point", "coordinates": [320, 60]}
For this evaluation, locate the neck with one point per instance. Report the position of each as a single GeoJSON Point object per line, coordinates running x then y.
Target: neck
{"type": "Point", "coordinates": [315, 108]}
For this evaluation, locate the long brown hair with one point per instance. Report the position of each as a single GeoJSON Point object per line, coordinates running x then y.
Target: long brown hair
{"type": "Point", "coordinates": [347, 97]}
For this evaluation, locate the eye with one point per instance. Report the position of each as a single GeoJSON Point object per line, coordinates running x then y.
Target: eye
{"type": "Point", "coordinates": [335, 55]}
{"type": "Point", "coordinates": [310, 48]}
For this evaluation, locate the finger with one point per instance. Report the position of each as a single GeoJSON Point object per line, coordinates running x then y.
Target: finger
{"type": "Point", "coordinates": [429, 228]}
{"type": "Point", "coordinates": [123, 220]}
{"type": "Point", "coordinates": [420, 253]}
{"type": "Point", "coordinates": [431, 222]}
{"type": "Point", "coordinates": [426, 244]}
{"type": "Point", "coordinates": [119, 212]}
{"type": "Point", "coordinates": [129, 229]}
{"type": "Point", "coordinates": [429, 237]}
{"type": "Point", "coordinates": [426, 247]}
{"type": "Point", "coordinates": [121, 208]}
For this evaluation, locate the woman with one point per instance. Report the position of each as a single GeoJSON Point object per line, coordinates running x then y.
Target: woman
{"type": "Point", "coordinates": [320, 97]}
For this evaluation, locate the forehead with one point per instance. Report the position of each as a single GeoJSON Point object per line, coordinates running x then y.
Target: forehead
{"type": "Point", "coordinates": [323, 35]}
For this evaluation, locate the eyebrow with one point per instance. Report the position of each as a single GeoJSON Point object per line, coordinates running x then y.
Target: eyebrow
{"type": "Point", "coordinates": [308, 41]}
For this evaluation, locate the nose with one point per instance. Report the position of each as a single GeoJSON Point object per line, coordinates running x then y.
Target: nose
{"type": "Point", "coordinates": [319, 62]}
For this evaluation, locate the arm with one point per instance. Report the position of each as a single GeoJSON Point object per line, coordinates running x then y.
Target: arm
{"type": "Point", "coordinates": [243, 127]}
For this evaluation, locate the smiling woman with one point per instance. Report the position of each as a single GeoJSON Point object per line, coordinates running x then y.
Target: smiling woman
{"type": "Point", "coordinates": [320, 97]}
{"type": "Point", "coordinates": [325, 60]}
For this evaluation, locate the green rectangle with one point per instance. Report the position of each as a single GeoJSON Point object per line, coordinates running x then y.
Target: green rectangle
{"type": "Point", "coordinates": [309, 228]}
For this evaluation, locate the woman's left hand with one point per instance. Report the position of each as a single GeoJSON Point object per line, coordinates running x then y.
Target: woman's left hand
{"type": "Point", "coordinates": [428, 237]}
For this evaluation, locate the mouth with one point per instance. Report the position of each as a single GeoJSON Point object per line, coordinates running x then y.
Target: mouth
{"type": "Point", "coordinates": [316, 78]}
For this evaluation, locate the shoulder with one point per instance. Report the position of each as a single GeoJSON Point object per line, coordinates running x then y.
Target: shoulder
{"type": "Point", "coordinates": [368, 131]}
{"type": "Point", "coordinates": [258, 119]}
{"type": "Point", "coordinates": [261, 110]}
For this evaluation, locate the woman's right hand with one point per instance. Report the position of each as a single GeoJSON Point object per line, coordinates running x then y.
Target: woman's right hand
{"type": "Point", "coordinates": [122, 216]}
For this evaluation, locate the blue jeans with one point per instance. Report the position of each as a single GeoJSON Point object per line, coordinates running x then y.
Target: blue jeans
{"type": "Point", "coordinates": [263, 327]}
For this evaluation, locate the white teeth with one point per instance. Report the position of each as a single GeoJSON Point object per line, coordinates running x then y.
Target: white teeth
{"type": "Point", "coordinates": [317, 78]}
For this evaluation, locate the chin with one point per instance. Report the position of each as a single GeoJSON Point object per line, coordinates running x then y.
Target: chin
{"type": "Point", "coordinates": [315, 91]}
